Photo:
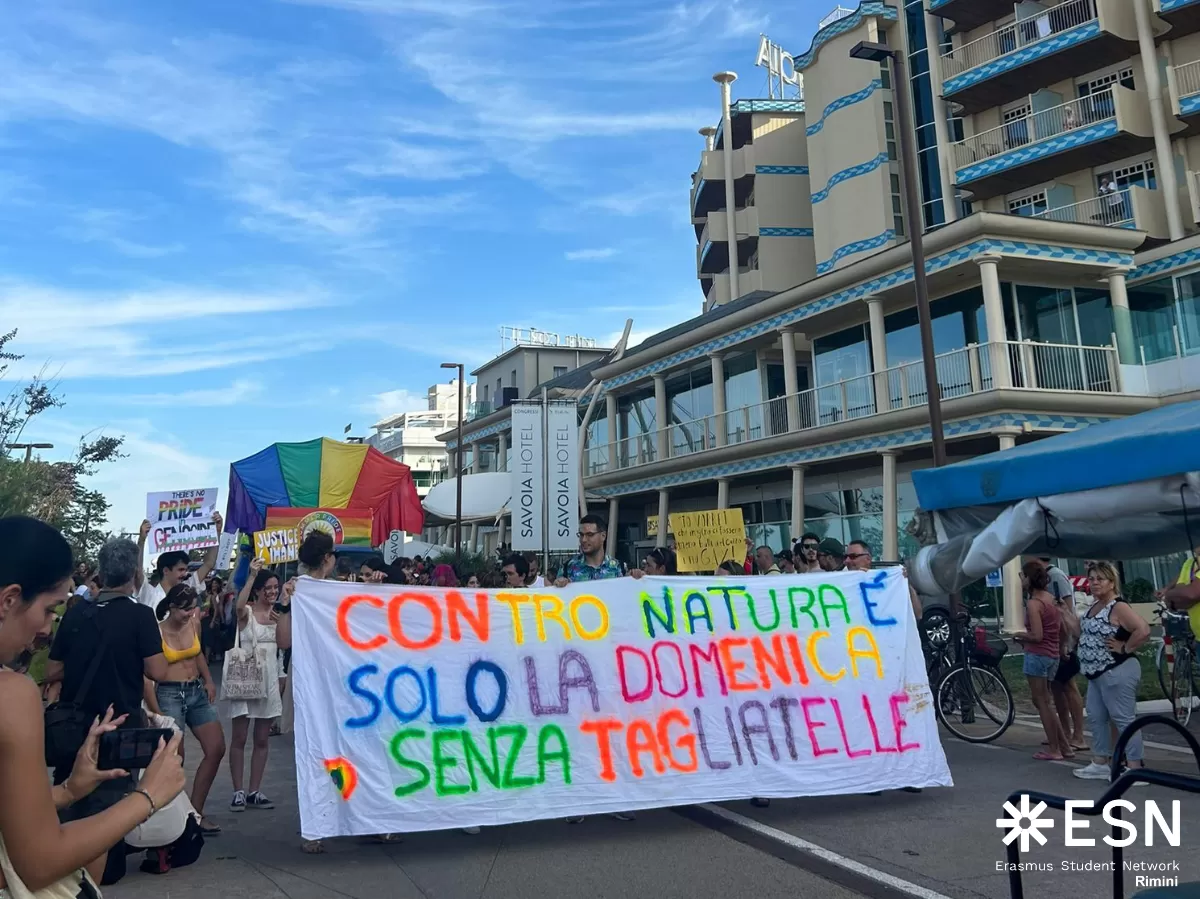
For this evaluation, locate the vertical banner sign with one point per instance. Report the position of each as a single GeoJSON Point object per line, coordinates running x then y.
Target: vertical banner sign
{"type": "Point", "coordinates": [423, 708]}
{"type": "Point", "coordinates": [225, 553]}
{"type": "Point", "coordinates": [562, 466]}
{"type": "Point", "coordinates": [182, 519]}
{"type": "Point", "coordinates": [528, 477]}
{"type": "Point", "coordinates": [703, 540]}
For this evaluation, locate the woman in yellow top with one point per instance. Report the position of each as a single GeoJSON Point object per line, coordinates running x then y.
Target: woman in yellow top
{"type": "Point", "coordinates": [187, 694]}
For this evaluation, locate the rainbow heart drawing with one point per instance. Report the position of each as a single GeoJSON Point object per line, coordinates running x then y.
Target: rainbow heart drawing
{"type": "Point", "coordinates": [344, 776]}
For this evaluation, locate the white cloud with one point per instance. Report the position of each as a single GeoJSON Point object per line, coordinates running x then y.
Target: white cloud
{"type": "Point", "coordinates": [104, 226]}
{"type": "Point", "coordinates": [398, 159]}
{"type": "Point", "coordinates": [590, 255]}
{"type": "Point", "coordinates": [239, 391]}
{"type": "Point", "coordinates": [393, 402]}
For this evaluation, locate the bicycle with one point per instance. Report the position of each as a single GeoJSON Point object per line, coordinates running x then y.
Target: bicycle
{"type": "Point", "coordinates": [972, 685]}
{"type": "Point", "coordinates": [1177, 664]}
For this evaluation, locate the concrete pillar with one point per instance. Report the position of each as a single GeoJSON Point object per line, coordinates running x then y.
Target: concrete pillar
{"type": "Point", "coordinates": [941, 124]}
{"type": "Point", "coordinates": [797, 523]}
{"type": "Point", "coordinates": [502, 532]}
{"type": "Point", "coordinates": [1014, 608]}
{"type": "Point", "coordinates": [722, 493]}
{"type": "Point", "coordinates": [879, 360]}
{"type": "Point", "coordinates": [502, 452]}
{"type": "Point", "coordinates": [664, 510]}
{"type": "Point", "coordinates": [662, 416]}
{"type": "Point", "coordinates": [474, 536]}
{"type": "Point", "coordinates": [1122, 322]}
{"type": "Point", "coordinates": [476, 457]}
{"type": "Point", "coordinates": [718, 378]}
{"type": "Point", "coordinates": [998, 364]}
{"type": "Point", "coordinates": [610, 413]}
{"type": "Point", "coordinates": [725, 79]}
{"type": "Point", "coordinates": [614, 510]}
{"type": "Point", "coordinates": [891, 510]}
{"type": "Point", "coordinates": [1164, 168]}
{"type": "Point", "coordinates": [791, 382]}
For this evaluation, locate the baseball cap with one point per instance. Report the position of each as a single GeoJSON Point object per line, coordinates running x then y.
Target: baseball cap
{"type": "Point", "coordinates": [831, 547]}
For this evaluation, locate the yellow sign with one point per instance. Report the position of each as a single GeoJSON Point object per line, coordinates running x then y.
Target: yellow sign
{"type": "Point", "coordinates": [276, 545]}
{"type": "Point", "coordinates": [651, 525]}
{"type": "Point", "coordinates": [703, 540]}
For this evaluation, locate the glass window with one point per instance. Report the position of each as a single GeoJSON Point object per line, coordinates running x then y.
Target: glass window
{"type": "Point", "coordinates": [559, 371]}
{"type": "Point", "coordinates": [1094, 309]}
{"type": "Point", "coordinates": [1152, 308]}
{"type": "Point", "coordinates": [1189, 312]}
{"type": "Point", "coordinates": [1047, 314]}
{"type": "Point", "coordinates": [842, 356]}
{"type": "Point", "coordinates": [1031, 205]}
{"type": "Point", "coordinates": [955, 324]}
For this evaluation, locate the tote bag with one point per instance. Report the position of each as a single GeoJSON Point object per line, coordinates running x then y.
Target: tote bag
{"type": "Point", "coordinates": [244, 677]}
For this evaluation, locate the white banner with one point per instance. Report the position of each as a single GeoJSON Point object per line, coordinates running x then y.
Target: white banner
{"type": "Point", "coordinates": [562, 448]}
{"type": "Point", "coordinates": [425, 709]}
{"type": "Point", "coordinates": [182, 519]}
{"type": "Point", "coordinates": [528, 487]}
{"type": "Point", "coordinates": [225, 553]}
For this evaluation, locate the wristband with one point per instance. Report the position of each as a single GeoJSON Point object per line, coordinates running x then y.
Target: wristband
{"type": "Point", "coordinates": [153, 807]}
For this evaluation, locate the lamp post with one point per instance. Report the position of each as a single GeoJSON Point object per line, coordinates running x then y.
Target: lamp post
{"type": "Point", "coordinates": [29, 448]}
{"type": "Point", "coordinates": [458, 474]}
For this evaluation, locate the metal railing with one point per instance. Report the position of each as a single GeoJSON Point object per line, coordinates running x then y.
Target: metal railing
{"type": "Point", "coordinates": [1113, 209]}
{"type": "Point", "coordinates": [1020, 34]}
{"type": "Point", "coordinates": [1036, 126]}
{"type": "Point", "coordinates": [974, 369]}
{"type": "Point", "coordinates": [1187, 78]}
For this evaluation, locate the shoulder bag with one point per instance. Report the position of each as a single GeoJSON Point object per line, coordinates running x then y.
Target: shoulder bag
{"type": "Point", "coordinates": [244, 677]}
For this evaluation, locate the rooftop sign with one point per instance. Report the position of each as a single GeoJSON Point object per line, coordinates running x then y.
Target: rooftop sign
{"type": "Point", "coordinates": [781, 68]}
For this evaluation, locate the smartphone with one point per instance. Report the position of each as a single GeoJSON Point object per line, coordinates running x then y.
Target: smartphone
{"type": "Point", "coordinates": [131, 748]}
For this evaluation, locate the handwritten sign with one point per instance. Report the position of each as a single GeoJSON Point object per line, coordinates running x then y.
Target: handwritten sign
{"type": "Point", "coordinates": [425, 709]}
{"type": "Point", "coordinates": [276, 545]}
{"type": "Point", "coordinates": [225, 553]}
{"type": "Point", "coordinates": [182, 519]}
{"type": "Point", "coordinates": [703, 540]}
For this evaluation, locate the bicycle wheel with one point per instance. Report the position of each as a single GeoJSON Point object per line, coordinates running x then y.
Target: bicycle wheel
{"type": "Point", "coordinates": [975, 704]}
{"type": "Point", "coordinates": [1183, 687]}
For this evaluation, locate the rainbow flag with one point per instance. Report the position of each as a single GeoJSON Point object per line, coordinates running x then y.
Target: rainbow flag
{"type": "Point", "coordinates": [351, 527]}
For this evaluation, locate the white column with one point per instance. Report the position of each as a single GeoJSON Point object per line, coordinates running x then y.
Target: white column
{"type": "Point", "coordinates": [455, 461]}
{"type": "Point", "coordinates": [791, 381]}
{"type": "Point", "coordinates": [891, 511]}
{"type": "Point", "coordinates": [1014, 610]}
{"type": "Point", "coordinates": [941, 125]}
{"type": "Point", "coordinates": [722, 493]}
{"type": "Point", "coordinates": [1122, 323]}
{"type": "Point", "coordinates": [718, 378]}
{"type": "Point", "coordinates": [725, 79]}
{"type": "Point", "coordinates": [476, 457]}
{"type": "Point", "coordinates": [614, 510]}
{"type": "Point", "coordinates": [502, 453]}
{"type": "Point", "coordinates": [993, 311]}
{"type": "Point", "coordinates": [797, 523]}
{"type": "Point", "coordinates": [879, 360]}
{"type": "Point", "coordinates": [1168, 184]}
{"type": "Point", "coordinates": [502, 533]}
{"type": "Point", "coordinates": [474, 536]}
{"type": "Point", "coordinates": [610, 414]}
{"type": "Point", "coordinates": [664, 512]}
{"type": "Point", "coordinates": [662, 416]}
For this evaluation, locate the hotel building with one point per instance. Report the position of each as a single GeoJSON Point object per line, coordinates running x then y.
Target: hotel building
{"type": "Point", "coordinates": [1058, 149]}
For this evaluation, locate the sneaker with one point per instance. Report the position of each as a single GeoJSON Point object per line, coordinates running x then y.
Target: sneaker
{"type": "Point", "coordinates": [623, 816]}
{"type": "Point", "coordinates": [1093, 771]}
{"type": "Point", "coordinates": [470, 830]}
{"type": "Point", "coordinates": [239, 801]}
{"type": "Point", "coordinates": [258, 800]}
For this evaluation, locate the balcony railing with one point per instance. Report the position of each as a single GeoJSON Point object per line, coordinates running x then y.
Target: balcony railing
{"type": "Point", "coordinates": [1036, 127]}
{"type": "Point", "coordinates": [1187, 78]}
{"type": "Point", "coordinates": [1012, 38]}
{"type": "Point", "coordinates": [480, 409]}
{"type": "Point", "coordinates": [971, 370]}
{"type": "Point", "coordinates": [1112, 209]}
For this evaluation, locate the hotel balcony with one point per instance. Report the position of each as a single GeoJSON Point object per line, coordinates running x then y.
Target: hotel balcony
{"type": "Point", "coordinates": [1134, 208]}
{"type": "Point", "coordinates": [1044, 145]}
{"type": "Point", "coordinates": [967, 15]}
{"type": "Point", "coordinates": [1062, 42]}
{"type": "Point", "coordinates": [708, 183]}
{"type": "Point", "coordinates": [1001, 366]}
{"type": "Point", "coordinates": [716, 286]}
{"type": "Point", "coordinates": [1184, 83]}
{"type": "Point", "coordinates": [1182, 15]}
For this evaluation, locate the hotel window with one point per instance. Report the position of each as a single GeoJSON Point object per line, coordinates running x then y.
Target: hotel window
{"type": "Point", "coordinates": [559, 371]}
{"type": "Point", "coordinates": [889, 129]}
{"type": "Point", "coordinates": [1100, 106]}
{"type": "Point", "coordinates": [885, 75]}
{"type": "Point", "coordinates": [485, 393]}
{"type": "Point", "coordinates": [1016, 125]}
{"type": "Point", "coordinates": [897, 206]}
{"type": "Point", "coordinates": [1031, 205]}
{"type": "Point", "coordinates": [1140, 174]}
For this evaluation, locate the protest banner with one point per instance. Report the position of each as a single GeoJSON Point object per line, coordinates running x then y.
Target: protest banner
{"type": "Point", "coordinates": [423, 709]}
{"type": "Point", "coordinates": [229, 540]}
{"type": "Point", "coordinates": [182, 519]}
{"type": "Point", "coordinates": [276, 545]}
{"type": "Point", "coordinates": [703, 540]}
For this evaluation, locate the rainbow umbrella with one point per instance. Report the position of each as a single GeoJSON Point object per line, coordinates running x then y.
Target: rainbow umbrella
{"type": "Point", "coordinates": [324, 474]}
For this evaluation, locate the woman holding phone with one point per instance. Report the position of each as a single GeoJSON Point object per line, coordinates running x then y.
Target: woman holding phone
{"type": "Point", "coordinates": [263, 621]}
{"type": "Point", "coordinates": [37, 853]}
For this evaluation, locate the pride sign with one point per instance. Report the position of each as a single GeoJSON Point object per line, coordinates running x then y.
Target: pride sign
{"type": "Point", "coordinates": [422, 709]}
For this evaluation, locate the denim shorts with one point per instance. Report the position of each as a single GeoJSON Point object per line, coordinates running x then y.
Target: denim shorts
{"type": "Point", "coordinates": [1035, 666]}
{"type": "Point", "coordinates": [186, 702]}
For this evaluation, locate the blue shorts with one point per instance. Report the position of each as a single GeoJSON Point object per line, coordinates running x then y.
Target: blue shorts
{"type": "Point", "coordinates": [1035, 666]}
{"type": "Point", "coordinates": [186, 702]}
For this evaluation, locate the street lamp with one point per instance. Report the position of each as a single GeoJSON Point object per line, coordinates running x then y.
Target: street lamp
{"type": "Point", "coordinates": [459, 474]}
{"type": "Point", "coordinates": [29, 448]}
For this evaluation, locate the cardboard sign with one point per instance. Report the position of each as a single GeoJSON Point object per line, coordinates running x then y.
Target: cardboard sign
{"type": "Point", "coordinates": [225, 553]}
{"type": "Point", "coordinates": [182, 519]}
{"type": "Point", "coordinates": [276, 545]}
{"type": "Point", "coordinates": [703, 540]}
{"type": "Point", "coordinates": [421, 708]}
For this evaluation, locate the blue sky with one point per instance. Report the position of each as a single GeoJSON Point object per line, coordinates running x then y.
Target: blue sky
{"type": "Point", "coordinates": [233, 222]}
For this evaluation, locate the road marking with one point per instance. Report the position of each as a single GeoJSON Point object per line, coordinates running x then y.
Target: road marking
{"type": "Point", "coordinates": [880, 877]}
{"type": "Point", "coordinates": [1164, 747]}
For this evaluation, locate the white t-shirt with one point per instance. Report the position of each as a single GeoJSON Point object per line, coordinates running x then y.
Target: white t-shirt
{"type": "Point", "coordinates": [538, 581]}
{"type": "Point", "coordinates": [151, 595]}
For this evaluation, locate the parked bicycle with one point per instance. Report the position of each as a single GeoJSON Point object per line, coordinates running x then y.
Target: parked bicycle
{"type": "Point", "coordinates": [972, 699]}
{"type": "Point", "coordinates": [1178, 667]}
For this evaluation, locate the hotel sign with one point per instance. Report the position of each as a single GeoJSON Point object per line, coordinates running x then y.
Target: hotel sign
{"type": "Point", "coordinates": [780, 67]}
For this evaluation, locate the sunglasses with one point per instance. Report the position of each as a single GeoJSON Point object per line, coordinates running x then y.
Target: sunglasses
{"type": "Point", "coordinates": [808, 546]}
{"type": "Point", "coordinates": [855, 555]}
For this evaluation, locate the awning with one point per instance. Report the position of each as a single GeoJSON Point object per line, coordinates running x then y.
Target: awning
{"type": "Point", "coordinates": [485, 497]}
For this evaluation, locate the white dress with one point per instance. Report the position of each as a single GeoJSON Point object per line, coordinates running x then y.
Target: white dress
{"type": "Point", "coordinates": [268, 656]}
